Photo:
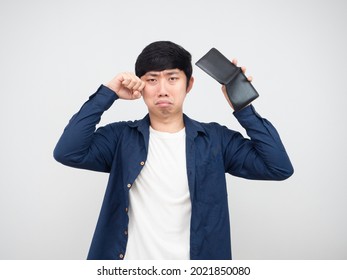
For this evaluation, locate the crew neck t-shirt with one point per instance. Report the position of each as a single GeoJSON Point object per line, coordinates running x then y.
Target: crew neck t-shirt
{"type": "Point", "coordinates": [160, 206]}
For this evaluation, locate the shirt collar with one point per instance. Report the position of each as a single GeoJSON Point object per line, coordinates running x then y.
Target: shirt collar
{"type": "Point", "coordinates": [192, 127]}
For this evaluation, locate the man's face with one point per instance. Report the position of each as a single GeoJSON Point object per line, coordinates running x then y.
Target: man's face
{"type": "Point", "coordinates": [165, 91]}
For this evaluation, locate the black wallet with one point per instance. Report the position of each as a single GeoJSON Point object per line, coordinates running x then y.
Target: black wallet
{"type": "Point", "coordinates": [240, 91]}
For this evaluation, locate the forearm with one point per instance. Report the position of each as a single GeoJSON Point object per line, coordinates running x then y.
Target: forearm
{"type": "Point", "coordinates": [266, 155]}
{"type": "Point", "coordinates": [80, 146]}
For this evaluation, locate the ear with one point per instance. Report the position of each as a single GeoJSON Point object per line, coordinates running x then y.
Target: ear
{"type": "Point", "coordinates": [190, 84]}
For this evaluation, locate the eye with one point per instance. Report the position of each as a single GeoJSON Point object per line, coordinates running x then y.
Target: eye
{"type": "Point", "coordinates": [173, 79]}
{"type": "Point", "coordinates": [151, 80]}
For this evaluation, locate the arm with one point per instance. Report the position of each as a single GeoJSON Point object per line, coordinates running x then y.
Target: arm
{"type": "Point", "coordinates": [81, 145]}
{"type": "Point", "coordinates": [263, 156]}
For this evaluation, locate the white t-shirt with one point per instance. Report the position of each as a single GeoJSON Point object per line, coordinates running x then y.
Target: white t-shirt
{"type": "Point", "coordinates": [160, 206]}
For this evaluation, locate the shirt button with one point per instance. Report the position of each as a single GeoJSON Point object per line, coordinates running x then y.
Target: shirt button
{"type": "Point", "coordinates": [126, 232]}
{"type": "Point", "coordinates": [121, 256]}
{"type": "Point", "coordinates": [129, 186]}
{"type": "Point", "coordinates": [142, 163]}
{"type": "Point", "coordinates": [126, 210]}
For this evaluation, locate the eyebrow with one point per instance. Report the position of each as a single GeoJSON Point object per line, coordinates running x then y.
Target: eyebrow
{"type": "Point", "coordinates": [166, 72]}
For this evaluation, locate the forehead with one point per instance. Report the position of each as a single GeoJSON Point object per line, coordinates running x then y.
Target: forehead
{"type": "Point", "coordinates": [166, 72]}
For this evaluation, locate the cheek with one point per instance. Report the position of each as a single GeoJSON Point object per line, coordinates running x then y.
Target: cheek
{"type": "Point", "coordinates": [148, 90]}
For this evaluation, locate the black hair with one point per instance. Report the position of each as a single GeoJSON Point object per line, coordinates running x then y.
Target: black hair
{"type": "Point", "coordinates": [162, 55]}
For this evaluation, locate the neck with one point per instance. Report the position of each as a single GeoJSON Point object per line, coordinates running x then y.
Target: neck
{"type": "Point", "coordinates": [170, 124]}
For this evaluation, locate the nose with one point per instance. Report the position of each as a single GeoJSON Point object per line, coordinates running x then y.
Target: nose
{"type": "Point", "coordinates": [162, 88]}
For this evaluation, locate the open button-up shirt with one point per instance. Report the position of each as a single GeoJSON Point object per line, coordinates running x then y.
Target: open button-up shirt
{"type": "Point", "coordinates": [212, 150]}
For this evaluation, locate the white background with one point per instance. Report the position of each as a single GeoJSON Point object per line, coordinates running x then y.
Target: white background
{"type": "Point", "coordinates": [54, 54]}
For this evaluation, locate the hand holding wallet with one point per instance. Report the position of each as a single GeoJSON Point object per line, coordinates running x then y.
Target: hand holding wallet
{"type": "Point", "coordinates": [239, 90]}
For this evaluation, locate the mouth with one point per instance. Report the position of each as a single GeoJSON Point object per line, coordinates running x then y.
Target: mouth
{"type": "Point", "coordinates": [163, 103]}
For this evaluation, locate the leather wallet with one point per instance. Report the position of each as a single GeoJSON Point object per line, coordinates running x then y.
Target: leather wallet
{"type": "Point", "coordinates": [240, 91]}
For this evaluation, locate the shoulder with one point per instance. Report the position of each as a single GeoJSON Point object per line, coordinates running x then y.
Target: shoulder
{"type": "Point", "coordinates": [121, 126]}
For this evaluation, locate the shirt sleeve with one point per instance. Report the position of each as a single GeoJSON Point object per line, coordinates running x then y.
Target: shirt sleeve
{"type": "Point", "coordinates": [261, 157]}
{"type": "Point", "coordinates": [81, 145]}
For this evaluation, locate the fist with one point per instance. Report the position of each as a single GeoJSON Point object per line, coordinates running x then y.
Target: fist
{"type": "Point", "coordinates": [127, 86]}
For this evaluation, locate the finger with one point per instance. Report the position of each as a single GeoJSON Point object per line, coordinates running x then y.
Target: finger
{"type": "Point", "coordinates": [139, 85]}
{"type": "Point", "coordinates": [132, 83]}
{"type": "Point", "coordinates": [250, 78]}
{"type": "Point", "coordinates": [130, 80]}
{"type": "Point", "coordinates": [234, 61]}
{"type": "Point", "coordinates": [126, 79]}
{"type": "Point", "coordinates": [135, 78]}
{"type": "Point", "coordinates": [136, 94]}
{"type": "Point", "coordinates": [243, 68]}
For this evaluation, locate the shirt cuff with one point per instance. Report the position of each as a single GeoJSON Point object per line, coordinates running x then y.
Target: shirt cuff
{"type": "Point", "coordinates": [247, 114]}
{"type": "Point", "coordinates": [103, 97]}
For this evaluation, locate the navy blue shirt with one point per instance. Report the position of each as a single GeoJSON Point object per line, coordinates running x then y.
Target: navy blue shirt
{"type": "Point", "coordinates": [212, 150]}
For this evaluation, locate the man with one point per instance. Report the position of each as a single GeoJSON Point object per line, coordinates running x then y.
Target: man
{"type": "Point", "coordinates": [166, 197]}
